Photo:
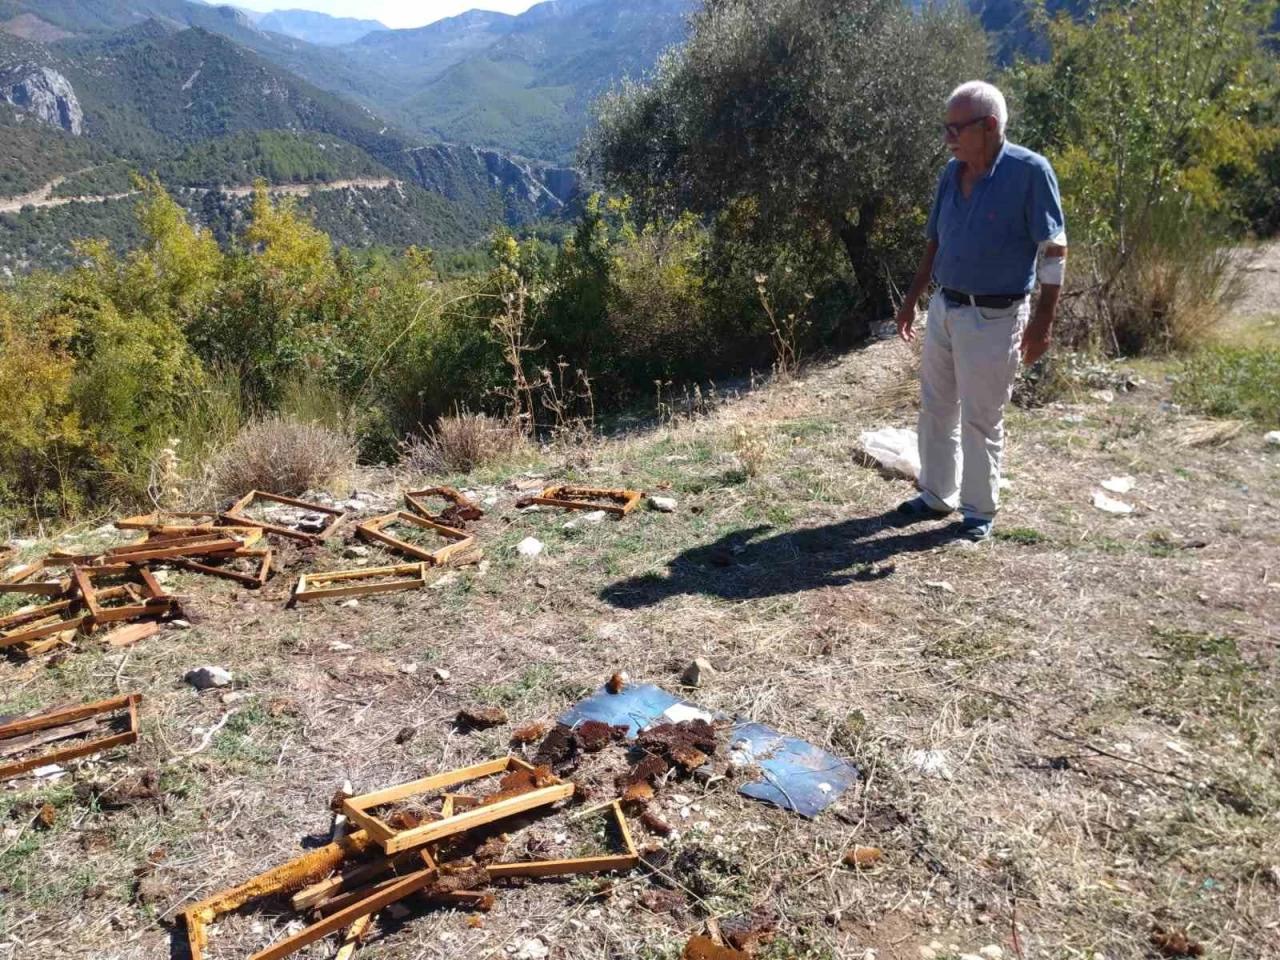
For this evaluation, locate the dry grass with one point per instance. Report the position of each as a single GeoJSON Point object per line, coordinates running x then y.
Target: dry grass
{"type": "Point", "coordinates": [282, 456]}
{"type": "Point", "coordinates": [1103, 690]}
{"type": "Point", "coordinates": [462, 442]}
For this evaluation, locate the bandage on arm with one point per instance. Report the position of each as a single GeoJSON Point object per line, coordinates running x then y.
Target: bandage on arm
{"type": "Point", "coordinates": [1053, 260]}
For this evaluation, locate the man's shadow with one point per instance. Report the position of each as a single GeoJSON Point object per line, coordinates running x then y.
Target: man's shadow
{"type": "Point", "coordinates": [747, 564]}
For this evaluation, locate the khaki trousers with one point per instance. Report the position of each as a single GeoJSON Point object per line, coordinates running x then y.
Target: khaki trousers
{"type": "Point", "coordinates": [966, 377]}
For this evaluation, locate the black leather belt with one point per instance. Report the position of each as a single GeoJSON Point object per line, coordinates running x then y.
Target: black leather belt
{"type": "Point", "coordinates": [990, 302]}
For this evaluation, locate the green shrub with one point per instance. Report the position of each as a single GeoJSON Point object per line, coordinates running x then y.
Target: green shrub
{"type": "Point", "coordinates": [1239, 382]}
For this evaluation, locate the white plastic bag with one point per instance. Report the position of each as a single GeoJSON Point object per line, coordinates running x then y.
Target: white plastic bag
{"type": "Point", "coordinates": [894, 448]}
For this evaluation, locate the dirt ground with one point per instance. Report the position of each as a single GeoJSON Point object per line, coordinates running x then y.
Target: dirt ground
{"type": "Point", "coordinates": [1068, 735]}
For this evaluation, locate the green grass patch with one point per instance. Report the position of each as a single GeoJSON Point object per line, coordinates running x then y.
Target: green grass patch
{"type": "Point", "coordinates": [1233, 381]}
{"type": "Point", "coordinates": [1026, 536]}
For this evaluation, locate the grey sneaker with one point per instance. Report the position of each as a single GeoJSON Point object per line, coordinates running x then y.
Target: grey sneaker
{"type": "Point", "coordinates": [975, 528]}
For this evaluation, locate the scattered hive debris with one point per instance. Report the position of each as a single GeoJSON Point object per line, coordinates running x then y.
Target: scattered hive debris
{"type": "Point", "coordinates": [458, 541]}
{"type": "Point", "coordinates": [529, 732]}
{"type": "Point", "coordinates": [311, 527]}
{"type": "Point", "coordinates": [481, 718]}
{"type": "Point", "coordinates": [618, 502]}
{"type": "Point", "coordinates": [459, 510]}
{"type": "Point", "coordinates": [104, 724]}
{"type": "Point", "coordinates": [348, 881]}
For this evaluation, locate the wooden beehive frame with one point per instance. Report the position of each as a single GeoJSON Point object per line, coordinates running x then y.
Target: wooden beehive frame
{"type": "Point", "coordinates": [161, 521]}
{"type": "Point", "coordinates": [373, 529]}
{"type": "Point", "coordinates": [221, 540]}
{"type": "Point", "coordinates": [414, 500]}
{"type": "Point", "coordinates": [154, 600]}
{"type": "Point", "coordinates": [40, 622]}
{"type": "Point", "coordinates": [345, 583]}
{"type": "Point", "coordinates": [626, 860]}
{"type": "Point", "coordinates": [65, 717]}
{"type": "Point", "coordinates": [394, 841]}
{"type": "Point", "coordinates": [620, 502]}
{"type": "Point", "coordinates": [248, 579]}
{"type": "Point", "coordinates": [19, 580]}
{"type": "Point", "coordinates": [236, 515]}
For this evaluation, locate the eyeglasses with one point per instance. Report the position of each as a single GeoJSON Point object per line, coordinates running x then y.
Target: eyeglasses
{"type": "Point", "coordinates": [952, 130]}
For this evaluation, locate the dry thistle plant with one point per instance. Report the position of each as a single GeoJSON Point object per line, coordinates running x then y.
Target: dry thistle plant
{"type": "Point", "coordinates": [785, 333]}
{"type": "Point", "coordinates": [165, 485]}
{"type": "Point", "coordinates": [752, 447]}
{"type": "Point", "coordinates": [512, 328]}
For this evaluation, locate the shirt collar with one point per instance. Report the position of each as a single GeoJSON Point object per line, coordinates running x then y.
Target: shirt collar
{"type": "Point", "coordinates": [1004, 147]}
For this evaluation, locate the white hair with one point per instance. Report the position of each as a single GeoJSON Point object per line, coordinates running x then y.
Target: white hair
{"type": "Point", "coordinates": [985, 97]}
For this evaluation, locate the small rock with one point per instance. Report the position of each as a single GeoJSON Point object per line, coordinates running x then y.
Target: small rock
{"type": "Point", "coordinates": [696, 672]}
{"type": "Point", "coordinates": [1118, 484]}
{"type": "Point", "coordinates": [490, 501]}
{"type": "Point", "coordinates": [594, 516]}
{"type": "Point", "coordinates": [483, 567]}
{"type": "Point", "coordinates": [529, 547]}
{"type": "Point", "coordinates": [442, 674]}
{"type": "Point", "coordinates": [531, 508]}
{"type": "Point", "coordinates": [337, 646]}
{"type": "Point", "coordinates": [992, 952]}
{"type": "Point", "coordinates": [1005, 483]}
{"type": "Point", "coordinates": [532, 950]}
{"type": "Point", "coordinates": [354, 506]}
{"type": "Point", "coordinates": [931, 763]}
{"type": "Point", "coordinates": [162, 576]}
{"type": "Point", "coordinates": [663, 504]}
{"type": "Point", "coordinates": [927, 953]}
{"type": "Point", "coordinates": [350, 604]}
{"type": "Point", "coordinates": [1110, 504]}
{"type": "Point", "coordinates": [409, 668]}
{"type": "Point", "coordinates": [356, 551]}
{"type": "Point", "coordinates": [1106, 396]}
{"type": "Point", "coordinates": [943, 585]}
{"type": "Point", "coordinates": [179, 624]}
{"type": "Point", "coordinates": [235, 696]}
{"type": "Point", "coordinates": [452, 576]}
{"type": "Point", "coordinates": [1273, 438]}
{"type": "Point", "coordinates": [202, 678]}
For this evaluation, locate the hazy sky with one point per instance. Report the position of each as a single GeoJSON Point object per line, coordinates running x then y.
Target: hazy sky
{"type": "Point", "coordinates": [394, 13]}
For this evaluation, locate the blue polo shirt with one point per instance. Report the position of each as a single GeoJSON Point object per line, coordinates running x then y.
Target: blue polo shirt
{"type": "Point", "coordinates": [987, 244]}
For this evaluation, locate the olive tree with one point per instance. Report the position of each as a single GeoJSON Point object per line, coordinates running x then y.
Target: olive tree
{"type": "Point", "coordinates": [822, 114]}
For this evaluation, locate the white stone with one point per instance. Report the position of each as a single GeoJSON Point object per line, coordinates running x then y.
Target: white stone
{"type": "Point", "coordinates": [1118, 484]}
{"type": "Point", "coordinates": [442, 674]}
{"type": "Point", "coordinates": [483, 567]}
{"type": "Point", "coordinates": [355, 550]}
{"type": "Point", "coordinates": [179, 624]}
{"type": "Point", "coordinates": [927, 953]}
{"type": "Point", "coordinates": [931, 763]}
{"type": "Point", "coordinates": [1005, 483]}
{"type": "Point", "coordinates": [490, 501]}
{"type": "Point", "coordinates": [1110, 504]}
{"type": "Point", "coordinates": [593, 516]}
{"type": "Point", "coordinates": [409, 668]}
{"type": "Point", "coordinates": [992, 952]}
{"type": "Point", "coordinates": [1273, 438]}
{"type": "Point", "coordinates": [350, 604]}
{"type": "Point", "coordinates": [337, 646]}
{"type": "Point", "coordinates": [943, 585]}
{"type": "Point", "coordinates": [235, 696]}
{"type": "Point", "coordinates": [663, 504]}
{"type": "Point", "coordinates": [202, 678]}
{"type": "Point", "coordinates": [532, 950]}
{"type": "Point", "coordinates": [452, 576]}
{"type": "Point", "coordinates": [529, 547]}
{"type": "Point", "coordinates": [1106, 396]}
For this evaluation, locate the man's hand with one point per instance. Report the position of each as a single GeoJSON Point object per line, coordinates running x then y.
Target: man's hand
{"type": "Point", "coordinates": [1039, 333]}
{"type": "Point", "coordinates": [907, 319]}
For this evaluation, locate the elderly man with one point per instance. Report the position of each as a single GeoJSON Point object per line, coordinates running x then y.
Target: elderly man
{"type": "Point", "coordinates": [996, 208]}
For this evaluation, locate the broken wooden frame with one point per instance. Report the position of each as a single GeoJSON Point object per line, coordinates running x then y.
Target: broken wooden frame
{"type": "Point", "coordinates": [253, 580]}
{"type": "Point", "coordinates": [394, 841]}
{"type": "Point", "coordinates": [43, 621]}
{"type": "Point", "coordinates": [374, 529]}
{"type": "Point", "coordinates": [627, 860]}
{"type": "Point", "coordinates": [236, 515]}
{"type": "Point", "coordinates": [69, 717]}
{"type": "Point", "coordinates": [19, 580]}
{"type": "Point", "coordinates": [153, 600]}
{"type": "Point", "coordinates": [345, 583]}
{"type": "Point", "coordinates": [467, 509]}
{"type": "Point", "coordinates": [166, 520]}
{"type": "Point", "coordinates": [619, 502]}
{"type": "Point", "coordinates": [219, 541]}
{"type": "Point", "coordinates": [307, 869]}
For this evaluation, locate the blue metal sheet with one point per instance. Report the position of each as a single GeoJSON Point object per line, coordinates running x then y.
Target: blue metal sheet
{"type": "Point", "coordinates": [798, 776]}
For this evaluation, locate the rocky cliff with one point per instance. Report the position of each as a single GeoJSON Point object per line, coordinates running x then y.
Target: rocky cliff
{"type": "Point", "coordinates": [528, 188]}
{"type": "Point", "coordinates": [43, 93]}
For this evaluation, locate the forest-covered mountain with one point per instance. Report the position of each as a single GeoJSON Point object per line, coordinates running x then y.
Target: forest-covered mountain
{"type": "Point", "coordinates": [206, 113]}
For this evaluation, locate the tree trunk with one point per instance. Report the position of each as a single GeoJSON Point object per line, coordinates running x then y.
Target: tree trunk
{"type": "Point", "coordinates": [857, 246]}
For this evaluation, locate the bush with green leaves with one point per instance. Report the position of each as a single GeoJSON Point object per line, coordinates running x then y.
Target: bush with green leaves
{"type": "Point", "coordinates": [1159, 118]}
{"type": "Point", "coordinates": [824, 115]}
